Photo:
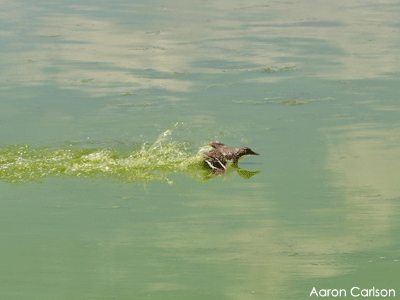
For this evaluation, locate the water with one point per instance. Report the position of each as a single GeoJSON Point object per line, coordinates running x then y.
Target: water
{"type": "Point", "coordinates": [106, 108]}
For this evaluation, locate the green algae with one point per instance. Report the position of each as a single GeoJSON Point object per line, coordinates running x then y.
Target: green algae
{"type": "Point", "coordinates": [145, 104]}
{"type": "Point", "coordinates": [300, 102]}
{"type": "Point", "coordinates": [278, 100]}
{"type": "Point", "coordinates": [294, 102]}
{"type": "Point", "coordinates": [149, 162]}
{"type": "Point", "coordinates": [248, 102]}
{"type": "Point", "coordinates": [48, 36]}
{"type": "Point", "coordinates": [276, 69]}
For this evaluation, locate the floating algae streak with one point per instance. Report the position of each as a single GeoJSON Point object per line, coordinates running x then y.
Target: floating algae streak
{"type": "Point", "coordinates": [147, 163]}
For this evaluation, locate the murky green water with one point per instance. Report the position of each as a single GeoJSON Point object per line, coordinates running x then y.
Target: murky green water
{"type": "Point", "coordinates": [104, 108]}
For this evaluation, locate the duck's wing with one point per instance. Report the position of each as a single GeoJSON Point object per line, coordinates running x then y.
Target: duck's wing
{"type": "Point", "coordinates": [215, 145]}
{"type": "Point", "coordinates": [216, 155]}
{"type": "Point", "coordinates": [215, 163]}
{"type": "Point", "coordinates": [209, 153]}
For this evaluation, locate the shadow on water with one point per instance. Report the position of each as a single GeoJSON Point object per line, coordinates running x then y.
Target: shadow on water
{"type": "Point", "coordinates": [148, 162]}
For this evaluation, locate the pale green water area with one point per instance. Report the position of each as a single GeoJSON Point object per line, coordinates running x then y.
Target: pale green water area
{"type": "Point", "coordinates": [106, 106]}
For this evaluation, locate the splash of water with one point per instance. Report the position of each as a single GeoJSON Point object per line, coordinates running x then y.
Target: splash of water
{"type": "Point", "coordinates": [157, 161]}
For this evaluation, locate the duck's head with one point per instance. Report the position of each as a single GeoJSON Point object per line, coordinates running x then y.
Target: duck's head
{"type": "Point", "coordinates": [245, 151]}
{"type": "Point", "coordinates": [240, 152]}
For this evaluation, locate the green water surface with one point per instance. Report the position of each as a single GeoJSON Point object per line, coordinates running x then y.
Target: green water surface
{"type": "Point", "coordinates": [106, 108]}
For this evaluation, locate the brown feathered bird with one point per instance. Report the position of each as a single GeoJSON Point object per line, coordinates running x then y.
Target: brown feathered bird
{"type": "Point", "coordinates": [218, 156]}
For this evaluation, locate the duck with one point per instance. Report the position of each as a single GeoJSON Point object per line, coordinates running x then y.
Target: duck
{"type": "Point", "coordinates": [217, 157]}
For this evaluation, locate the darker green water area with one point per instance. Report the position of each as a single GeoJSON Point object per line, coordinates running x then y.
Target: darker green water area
{"type": "Point", "coordinates": [103, 197]}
